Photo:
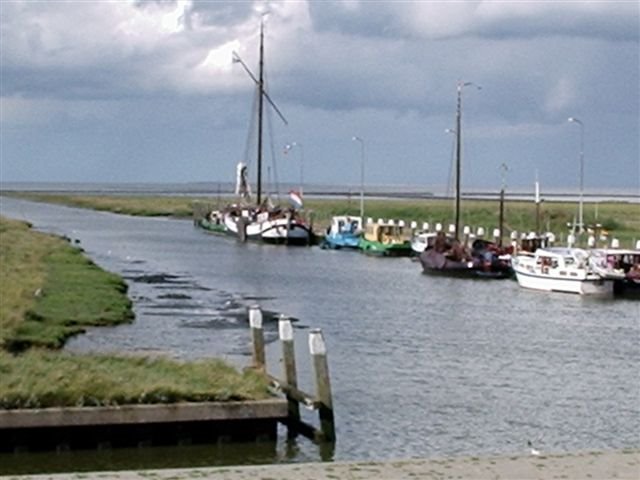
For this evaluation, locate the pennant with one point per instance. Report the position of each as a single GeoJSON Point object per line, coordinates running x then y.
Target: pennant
{"type": "Point", "coordinates": [295, 199]}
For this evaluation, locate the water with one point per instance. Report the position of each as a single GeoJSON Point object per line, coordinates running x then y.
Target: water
{"type": "Point", "coordinates": [420, 366]}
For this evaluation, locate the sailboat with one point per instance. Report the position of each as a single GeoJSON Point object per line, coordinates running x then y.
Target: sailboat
{"type": "Point", "coordinates": [261, 220]}
{"type": "Point", "coordinates": [449, 256]}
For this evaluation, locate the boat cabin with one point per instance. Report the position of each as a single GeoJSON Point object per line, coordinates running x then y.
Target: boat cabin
{"type": "Point", "coordinates": [562, 260]}
{"type": "Point", "coordinates": [387, 233]}
{"type": "Point", "coordinates": [345, 224]}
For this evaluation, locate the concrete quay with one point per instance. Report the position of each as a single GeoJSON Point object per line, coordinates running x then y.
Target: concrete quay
{"type": "Point", "coordinates": [624, 464]}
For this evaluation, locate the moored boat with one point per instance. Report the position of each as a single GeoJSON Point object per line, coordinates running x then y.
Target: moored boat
{"type": "Point", "coordinates": [560, 269]}
{"type": "Point", "coordinates": [449, 257]}
{"type": "Point", "coordinates": [388, 239]}
{"type": "Point", "coordinates": [620, 265]}
{"type": "Point", "coordinates": [344, 232]}
{"type": "Point", "coordinates": [213, 222]}
{"type": "Point", "coordinates": [261, 220]}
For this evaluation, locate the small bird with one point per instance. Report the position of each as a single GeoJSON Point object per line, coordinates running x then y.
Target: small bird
{"type": "Point", "coordinates": [533, 450]}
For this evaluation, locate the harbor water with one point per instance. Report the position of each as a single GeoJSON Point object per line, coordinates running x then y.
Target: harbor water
{"type": "Point", "coordinates": [420, 366]}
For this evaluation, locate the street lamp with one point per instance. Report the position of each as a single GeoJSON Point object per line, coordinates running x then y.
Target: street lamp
{"type": "Point", "coordinates": [580, 207]}
{"type": "Point", "coordinates": [288, 147]}
{"type": "Point", "coordinates": [358, 139]}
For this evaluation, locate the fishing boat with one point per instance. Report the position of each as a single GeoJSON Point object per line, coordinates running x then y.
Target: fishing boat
{"type": "Point", "coordinates": [260, 219]}
{"type": "Point", "coordinates": [421, 241]}
{"type": "Point", "coordinates": [387, 239]}
{"type": "Point", "coordinates": [448, 256]}
{"type": "Point", "coordinates": [344, 232]}
{"type": "Point", "coordinates": [560, 269]}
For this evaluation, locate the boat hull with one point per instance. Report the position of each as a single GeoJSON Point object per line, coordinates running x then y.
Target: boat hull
{"type": "Point", "coordinates": [280, 231]}
{"type": "Point", "coordinates": [434, 263]}
{"type": "Point", "coordinates": [212, 227]}
{"type": "Point", "coordinates": [341, 241]}
{"type": "Point", "coordinates": [585, 286]}
{"type": "Point", "coordinates": [385, 249]}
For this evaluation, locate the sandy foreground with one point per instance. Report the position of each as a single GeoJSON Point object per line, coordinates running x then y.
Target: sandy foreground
{"type": "Point", "coordinates": [623, 464]}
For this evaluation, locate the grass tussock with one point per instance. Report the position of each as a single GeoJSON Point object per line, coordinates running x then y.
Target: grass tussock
{"type": "Point", "coordinates": [40, 379]}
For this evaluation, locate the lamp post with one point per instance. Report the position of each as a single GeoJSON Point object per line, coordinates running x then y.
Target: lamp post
{"type": "Point", "coordinates": [580, 205]}
{"type": "Point", "coordinates": [288, 147]}
{"type": "Point", "coordinates": [358, 139]}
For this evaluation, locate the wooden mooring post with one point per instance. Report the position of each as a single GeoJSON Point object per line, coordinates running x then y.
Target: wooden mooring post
{"type": "Point", "coordinates": [322, 401]}
{"type": "Point", "coordinates": [257, 337]}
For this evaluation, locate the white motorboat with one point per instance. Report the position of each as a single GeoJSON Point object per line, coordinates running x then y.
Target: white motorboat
{"type": "Point", "coordinates": [560, 269]}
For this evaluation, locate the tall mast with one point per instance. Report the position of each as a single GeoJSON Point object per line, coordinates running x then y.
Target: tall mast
{"type": "Point", "coordinates": [458, 155]}
{"type": "Point", "coordinates": [260, 106]}
{"type": "Point", "coordinates": [461, 85]}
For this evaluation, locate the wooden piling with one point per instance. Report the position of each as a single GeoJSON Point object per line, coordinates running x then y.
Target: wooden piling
{"type": "Point", "coordinates": [257, 337]}
{"type": "Point", "coordinates": [318, 350]}
{"type": "Point", "coordinates": [285, 331]}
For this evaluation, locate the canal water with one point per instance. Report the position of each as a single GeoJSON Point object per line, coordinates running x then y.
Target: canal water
{"type": "Point", "coordinates": [420, 366]}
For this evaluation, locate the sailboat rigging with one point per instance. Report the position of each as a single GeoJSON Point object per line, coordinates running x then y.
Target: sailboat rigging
{"type": "Point", "coordinates": [450, 256]}
{"type": "Point", "coordinates": [260, 220]}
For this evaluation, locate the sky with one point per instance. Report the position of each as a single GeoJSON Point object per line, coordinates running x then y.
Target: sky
{"type": "Point", "coordinates": [146, 91]}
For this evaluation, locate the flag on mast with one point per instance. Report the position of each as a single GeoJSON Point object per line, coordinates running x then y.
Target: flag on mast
{"type": "Point", "coordinates": [295, 198]}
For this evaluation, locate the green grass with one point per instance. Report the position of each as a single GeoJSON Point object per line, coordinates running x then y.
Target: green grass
{"type": "Point", "coordinates": [51, 291]}
{"type": "Point", "coordinates": [141, 205]}
{"type": "Point", "coordinates": [620, 219]}
{"type": "Point", "coordinates": [41, 378]}
{"type": "Point", "coordinates": [48, 291]}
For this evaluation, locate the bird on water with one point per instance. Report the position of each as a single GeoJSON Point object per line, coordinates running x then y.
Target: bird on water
{"type": "Point", "coordinates": [533, 450]}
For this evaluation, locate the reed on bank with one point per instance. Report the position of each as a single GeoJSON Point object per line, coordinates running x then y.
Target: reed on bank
{"type": "Point", "coordinates": [50, 291]}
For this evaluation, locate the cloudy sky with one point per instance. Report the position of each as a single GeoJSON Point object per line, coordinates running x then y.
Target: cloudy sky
{"type": "Point", "coordinates": [145, 91]}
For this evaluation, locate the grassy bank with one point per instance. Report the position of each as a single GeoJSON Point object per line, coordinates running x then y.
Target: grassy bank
{"type": "Point", "coordinates": [40, 378]}
{"type": "Point", "coordinates": [50, 291]}
{"type": "Point", "coordinates": [619, 219]}
{"type": "Point", "coordinates": [141, 205]}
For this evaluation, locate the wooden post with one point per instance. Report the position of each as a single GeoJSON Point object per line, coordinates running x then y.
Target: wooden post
{"type": "Point", "coordinates": [285, 331]}
{"type": "Point", "coordinates": [257, 336]}
{"type": "Point", "coordinates": [318, 351]}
